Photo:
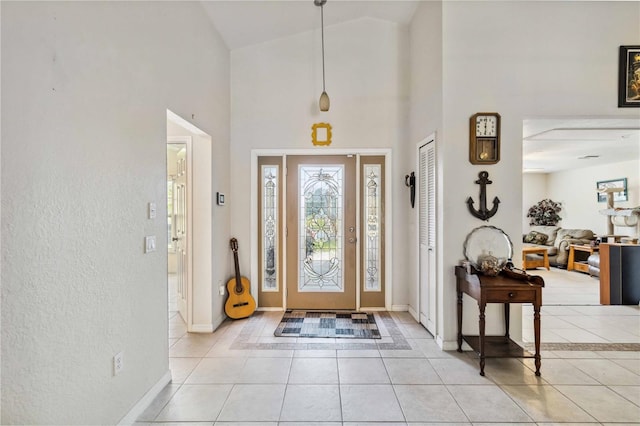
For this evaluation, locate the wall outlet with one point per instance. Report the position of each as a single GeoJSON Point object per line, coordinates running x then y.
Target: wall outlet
{"type": "Point", "coordinates": [118, 363]}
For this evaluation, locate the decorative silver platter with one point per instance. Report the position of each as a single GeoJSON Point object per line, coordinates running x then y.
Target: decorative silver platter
{"type": "Point", "coordinates": [487, 241]}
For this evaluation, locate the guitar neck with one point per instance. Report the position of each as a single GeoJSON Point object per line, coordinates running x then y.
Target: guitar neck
{"type": "Point", "coordinates": [238, 276]}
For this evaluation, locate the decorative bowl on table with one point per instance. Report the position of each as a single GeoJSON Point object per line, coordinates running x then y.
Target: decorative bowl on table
{"type": "Point", "coordinates": [488, 249]}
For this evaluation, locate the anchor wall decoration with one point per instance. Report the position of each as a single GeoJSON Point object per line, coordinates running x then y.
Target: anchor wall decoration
{"type": "Point", "coordinates": [483, 213]}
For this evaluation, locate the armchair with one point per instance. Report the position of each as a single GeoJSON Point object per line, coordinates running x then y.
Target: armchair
{"type": "Point", "coordinates": [558, 242]}
{"type": "Point", "coordinates": [566, 237]}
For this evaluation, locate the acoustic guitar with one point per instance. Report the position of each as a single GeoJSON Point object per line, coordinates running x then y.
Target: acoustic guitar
{"type": "Point", "coordinates": [240, 303]}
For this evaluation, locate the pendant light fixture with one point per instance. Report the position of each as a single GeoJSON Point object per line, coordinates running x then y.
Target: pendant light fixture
{"type": "Point", "coordinates": [324, 98]}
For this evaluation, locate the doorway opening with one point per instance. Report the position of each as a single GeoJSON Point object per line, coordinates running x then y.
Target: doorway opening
{"type": "Point", "coordinates": [189, 225]}
{"type": "Point", "coordinates": [564, 158]}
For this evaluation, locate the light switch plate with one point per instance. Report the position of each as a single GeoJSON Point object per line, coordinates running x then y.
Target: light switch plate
{"type": "Point", "coordinates": [149, 244]}
{"type": "Point", "coordinates": [152, 210]}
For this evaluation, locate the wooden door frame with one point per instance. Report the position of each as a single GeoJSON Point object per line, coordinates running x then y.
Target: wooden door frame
{"type": "Point", "coordinates": [385, 152]}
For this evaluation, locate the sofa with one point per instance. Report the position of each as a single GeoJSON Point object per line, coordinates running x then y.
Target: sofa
{"type": "Point", "coordinates": [557, 241]}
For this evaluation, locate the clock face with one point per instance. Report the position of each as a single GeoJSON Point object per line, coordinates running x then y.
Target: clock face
{"type": "Point", "coordinates": [486, 125]}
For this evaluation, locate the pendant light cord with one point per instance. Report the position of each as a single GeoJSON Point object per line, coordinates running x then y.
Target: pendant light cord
{"type": "Point", "coordinates": [322, 36]}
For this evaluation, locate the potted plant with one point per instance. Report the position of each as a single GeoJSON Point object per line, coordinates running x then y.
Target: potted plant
{"type": "Point", "coordinates": [545, 212]}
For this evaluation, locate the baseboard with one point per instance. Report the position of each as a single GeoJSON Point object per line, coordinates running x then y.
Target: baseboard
{"type": "Point", "coordinates": [201, 328]}
{"type": "Point", "coordinates": [268, 309]}
{"type": "Point", "coordinates": [413, 313]}
{"type": "Point", "coordinates": [399, 308]}
{"type": "Point", "coordinates": [218, 321]}
{"type": "Point", "coordinates": [146, 400]}
{"type": "Point", "coordinates": [452, 345]}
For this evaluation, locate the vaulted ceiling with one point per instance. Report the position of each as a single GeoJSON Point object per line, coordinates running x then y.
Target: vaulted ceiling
{"type": "Point", "coordinates": [246, 22]}
{"type": "Point", "coordinates": [550, 144]}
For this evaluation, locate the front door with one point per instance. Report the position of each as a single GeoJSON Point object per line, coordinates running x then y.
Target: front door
{"type": "Point", "coordinates": [321, 232]}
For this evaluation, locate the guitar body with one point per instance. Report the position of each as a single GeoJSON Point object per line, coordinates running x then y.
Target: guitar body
{"type": "Point", "coordinates": [240, 303]}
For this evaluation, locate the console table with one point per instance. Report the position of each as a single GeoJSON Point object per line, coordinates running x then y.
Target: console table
{"type": "Point", "coordinates": [504, 288]}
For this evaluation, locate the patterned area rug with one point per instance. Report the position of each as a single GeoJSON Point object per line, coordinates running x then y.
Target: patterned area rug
{"type": "Point", "coordinates": [353, 325]}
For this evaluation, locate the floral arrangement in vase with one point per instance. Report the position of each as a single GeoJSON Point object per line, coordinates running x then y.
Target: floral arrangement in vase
{"type": "Point", "coordinates": [545, 212]}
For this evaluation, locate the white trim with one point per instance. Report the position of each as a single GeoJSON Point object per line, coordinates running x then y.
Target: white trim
{"type": "Point", "coordinates": [452, 345]}
{"type": "Point", "coordinates": [358, 242]}
{"type": "Point", "coordinates": [143, 403]}
{"type": "Point", "coordinates": [414, 314]}
{"type": "Point", "coordinates": [176, 119]}
{"type": "Point", "coordinates": [372, 309]}
{"type": "Point", "coordinates": [283, 209]}
{"type": "Point", "coordinates": [388, 229]}
{"type": "Point", "coordinates": [201, 328]}
{"type": "Point", "coordinates": [400, 308]}
{"type": "Point", "coordinates": [276, 309]}
{"type": "Point", "coordinates": [315, 152]}
{"type": "Point", "coordinates": [254, 227]}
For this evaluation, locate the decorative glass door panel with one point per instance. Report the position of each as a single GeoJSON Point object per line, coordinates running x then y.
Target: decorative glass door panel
{"type": "Point", "coordinates": [321, 237]}
{"type": "Point", "coordinates": [270, 232]}
{"type": "Point", "coordinates": [372, 266]}
{"type": "Point", "coordinates": [321, 222]}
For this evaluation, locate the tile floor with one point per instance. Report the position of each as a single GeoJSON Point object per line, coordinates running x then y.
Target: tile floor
{"type": "Point", "coordinates": [242, 375]}
{"type": "Point", "coordinates": [571, 312]}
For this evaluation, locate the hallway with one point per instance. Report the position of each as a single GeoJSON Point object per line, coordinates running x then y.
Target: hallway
{"type": "Point", "coordinates": [242, 374]}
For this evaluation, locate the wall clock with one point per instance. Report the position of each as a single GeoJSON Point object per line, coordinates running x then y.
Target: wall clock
{"type": "Point", "coordinates": [484, 138]}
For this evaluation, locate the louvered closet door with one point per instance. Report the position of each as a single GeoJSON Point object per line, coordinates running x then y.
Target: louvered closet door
{"type": "Point", "coordinates": [427, 235]}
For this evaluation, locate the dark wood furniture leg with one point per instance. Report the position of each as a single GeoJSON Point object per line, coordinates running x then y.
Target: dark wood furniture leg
{"type": "Point", "coordinates": [482, 307]}
{"type": "Point", "coordinates": [536, 331]}
{"type": "Point", "coordinates": [507, 310]}
{"type": "Point", "coordinates": [459, 321]}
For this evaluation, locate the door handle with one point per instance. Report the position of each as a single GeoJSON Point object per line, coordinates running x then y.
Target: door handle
{"type": "Point", "coordinates": [175, 239]}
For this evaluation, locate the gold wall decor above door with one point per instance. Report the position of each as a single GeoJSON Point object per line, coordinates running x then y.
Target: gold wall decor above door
{"type": "Point", "coordinates": [321, 134]}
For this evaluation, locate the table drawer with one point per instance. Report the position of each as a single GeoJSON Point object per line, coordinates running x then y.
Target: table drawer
{"type": "Point", "coordinates": [515, 296]}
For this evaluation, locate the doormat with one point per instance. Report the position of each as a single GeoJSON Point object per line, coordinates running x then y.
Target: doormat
{"type": "Point", "coordinates": [351, 325]}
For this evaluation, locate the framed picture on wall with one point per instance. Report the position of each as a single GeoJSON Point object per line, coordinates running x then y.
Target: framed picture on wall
{"type": "Point", "coordinates": [603, 185]}
{"type": "Point", "coordinates": [629, 77]}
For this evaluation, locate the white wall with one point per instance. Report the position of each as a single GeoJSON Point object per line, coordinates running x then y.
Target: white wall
{"type": "Point", "coordinates": [527, 59]}
{"type": "Point", "coordinates": [534, 189]}
{"type": "Point", "coordinates": [576, 190]}
{"type": "Point", "coordinates": [425, 115]}
{"type": "Point", "coordinates": [275, 88]}
{"type": "Point", "coordinates": [85, 88]}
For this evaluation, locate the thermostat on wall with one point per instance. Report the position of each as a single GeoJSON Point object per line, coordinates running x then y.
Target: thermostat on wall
{"type": "Point", "coordinates": [220, 198]}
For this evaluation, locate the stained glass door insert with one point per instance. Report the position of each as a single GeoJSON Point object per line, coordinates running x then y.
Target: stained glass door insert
{"type": "Point", "coordinates": [321, 232]}
{"type": "Point", "coordinates": [321, 222]}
